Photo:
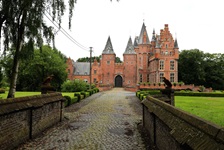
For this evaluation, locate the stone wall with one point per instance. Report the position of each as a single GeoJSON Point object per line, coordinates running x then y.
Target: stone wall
{"type": "Point", "coordinates": [172, 128]}
{"type": "Point", "coordinates": [24, 118]}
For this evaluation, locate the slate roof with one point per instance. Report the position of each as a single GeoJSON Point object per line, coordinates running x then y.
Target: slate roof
{"type": "Point", "coordinates": [108, 48]}
{"type": "Point", "coordinates": [136, 41]}
{"type": "Point", "coordinates": [81, 68]}
{"type": "Point", "coordinates": [176, 44]}
{"type": "Point", "coordinates": [153, 35]}
{"type": "Point", "coordinates": [141, 36]}
{"type": "Point", "coordinates": [130, 47]}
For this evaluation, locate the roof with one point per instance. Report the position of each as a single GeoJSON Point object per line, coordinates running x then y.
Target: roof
{"type": "Point", "coordinates": [176, 44]}
{"type": "Point", "coordinates": [81, 68]}
{"type": "Point", "coordinates": [142, 34]}
{"type": "Point", "coordinates": [108, 48]}
{"type": "Point", "coordinates": [130, 47]}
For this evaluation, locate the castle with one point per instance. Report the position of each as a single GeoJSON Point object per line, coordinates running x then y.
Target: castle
{"type": "Point", "coordinates": [143, 61]}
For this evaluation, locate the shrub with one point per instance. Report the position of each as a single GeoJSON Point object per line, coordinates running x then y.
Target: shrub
{"type": "Point", "coordinates": [78, 94]}
{"type": "Point", "coordinates": [2, 90]}
{"type": "Point", "coordinates": [67, 101]}
{"type": "Point", "coordinates": [74, 100]}
{"type": "Point", "coordinates": [74, 86]}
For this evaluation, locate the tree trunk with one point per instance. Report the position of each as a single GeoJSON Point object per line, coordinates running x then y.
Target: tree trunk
{"type": "Point", "coordinates": [15, 71]}
{"type": "Point", "coordinates": [19, 44]}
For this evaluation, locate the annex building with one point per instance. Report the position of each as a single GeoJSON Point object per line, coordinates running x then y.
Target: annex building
{"type": "Point", "coordinates": [144, 60]}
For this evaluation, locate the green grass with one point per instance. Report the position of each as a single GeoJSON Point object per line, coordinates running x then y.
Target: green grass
{"type": "Point", "coordinates": [19, 94]}
{"type": "Point", "coordinates": [208, 108]}
{"type": "Point", "coordinates": [22, 94]}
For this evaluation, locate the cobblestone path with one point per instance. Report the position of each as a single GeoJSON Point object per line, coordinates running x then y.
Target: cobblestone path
{"type": "Point", "coordinates": [105, 121]}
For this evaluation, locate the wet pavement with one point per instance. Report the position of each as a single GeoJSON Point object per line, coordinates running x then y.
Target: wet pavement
{"type": "Point", "coordinates": [105, 121]}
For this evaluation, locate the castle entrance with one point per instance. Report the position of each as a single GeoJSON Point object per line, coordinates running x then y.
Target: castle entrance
{"type": "Point", "coordinates": [118, 81]}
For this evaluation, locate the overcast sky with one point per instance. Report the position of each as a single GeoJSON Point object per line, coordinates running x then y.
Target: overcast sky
{"type": "Point", "coordinates": [195, 23]}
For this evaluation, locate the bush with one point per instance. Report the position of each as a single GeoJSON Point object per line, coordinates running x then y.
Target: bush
{"type": "Point", "coordinates": [74, 86]}
{"type": "Point", "coordinates": [2, 90]}
{"type": "Point", "coordinates": [67, 101]}
{"type": "Point", "coordinates": [78, 94]}
{"type": "Point", "coordinates": [74, 100]}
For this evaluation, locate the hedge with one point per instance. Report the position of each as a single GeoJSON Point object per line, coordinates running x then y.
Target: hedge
{"type": "Point", "coordinates": [198, 94]}
{"type": "Point", "coordinates": [67, 101]}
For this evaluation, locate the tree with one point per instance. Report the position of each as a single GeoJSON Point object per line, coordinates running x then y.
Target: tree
{"type": "Point", "coordinates": [87, 59]}
{"type": "Point", "coordinates": [191, 67]}
{"type": "Point", "coordinates": [22, 20]}
{"type": "Point", "coordinates": [34, 70]}
{"type": "Point", "coordinates": [196, 67]}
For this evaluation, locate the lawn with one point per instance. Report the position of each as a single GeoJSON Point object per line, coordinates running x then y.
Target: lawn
{"type": "Point", "coordinates": [19, 94]}
{"type": "Point", "coordinates": [22, 94]}
{"type": "Point", "coordinates": [209, 108]}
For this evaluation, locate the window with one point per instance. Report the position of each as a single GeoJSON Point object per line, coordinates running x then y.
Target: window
{"type": "Point", "coordinates": [148, 77]}
{"type": "Point", "coordinates": [166, 46]}
{"type": "Point", "coordinates": [95, 71]}
{"type": "Point", "coordinates": [94, 80]}
{"type": "Point", "coordinates": [161, 65]}
{"type": "Point", "coordinates": [108, 73]}
{"type": "Point", "coordinates": [68, 71]}
{"type": "Point", "coordinates": [171, 77]}
{"type": "Point", "coordinates": [171, 65]}
{"type": "Point", "coordinates": [140, 78]}
{"type": "Point", "coordinates": [108, 62]}
{"type": "Point", "coordinates": [161, 75]}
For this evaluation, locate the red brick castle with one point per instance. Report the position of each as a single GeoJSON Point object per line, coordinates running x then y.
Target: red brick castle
{"type": "Point", "coordinates": [143, 61]}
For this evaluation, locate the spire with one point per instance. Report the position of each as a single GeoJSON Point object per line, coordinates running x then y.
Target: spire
{"type": "Point", "coordinates": [175, 43]}
{"type": "Point", "coordinates": [136, 41]}
{"type": "Point", "coordinates": [108, 48]}
{"type": "Point", "coordinates": [143, 37]}
{"type": "Point", "coordinates": [153, 36]}
{"type": "Point", "coordinates": [157, 43]}
{"type": "Point", "coordinates": [130, 47]}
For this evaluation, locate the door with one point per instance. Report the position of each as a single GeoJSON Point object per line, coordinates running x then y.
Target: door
{"type": "Point", "coordinates": [118, 81]}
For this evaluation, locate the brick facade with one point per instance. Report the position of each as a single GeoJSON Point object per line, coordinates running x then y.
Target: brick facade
{"type": "Point", "coordinates": [143, 61]}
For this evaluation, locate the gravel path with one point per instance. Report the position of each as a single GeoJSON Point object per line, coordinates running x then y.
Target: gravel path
{"type": "Point", "coordinates": [105, 121]}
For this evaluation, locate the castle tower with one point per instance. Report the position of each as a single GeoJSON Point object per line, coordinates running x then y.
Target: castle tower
{"type": "Point", "coordinates": [108, 64]}
{"type": "Point", "coordinates": [143, 51]}
{"type": "Point", "coordinates": [130, 67]}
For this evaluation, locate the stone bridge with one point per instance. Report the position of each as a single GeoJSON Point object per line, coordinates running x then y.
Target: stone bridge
{"type": "Point", "coordinates": [106, 120]}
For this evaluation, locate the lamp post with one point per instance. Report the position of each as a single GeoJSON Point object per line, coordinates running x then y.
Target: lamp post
{"type": "Point", "coordinates": [90, 71]}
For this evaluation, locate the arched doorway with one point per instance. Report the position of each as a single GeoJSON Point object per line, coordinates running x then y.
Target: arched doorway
{"type": "Point", "coordinates": [118, 81]}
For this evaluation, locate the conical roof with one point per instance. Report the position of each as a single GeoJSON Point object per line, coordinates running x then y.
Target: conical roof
{"type": "Point", "coordinates": [143, 35]}
{"type": "Point", "coordinates": [108, 48]}
{"type": "Point", "coordinates": [130, 47]}
{"type": "Point", "coordinates": [153, 35]}
{"type": "Point", "coordinates": [136, 41]}
{"type": "Point", "coordinates": [175, 43]}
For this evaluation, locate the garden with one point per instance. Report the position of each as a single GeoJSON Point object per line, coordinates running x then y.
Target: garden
{"type": "Point", "coordinates": [74, 91]}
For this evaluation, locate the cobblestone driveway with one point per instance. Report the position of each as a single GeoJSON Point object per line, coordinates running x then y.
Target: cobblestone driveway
{"type": "Point", "coordinates": [106, 120]}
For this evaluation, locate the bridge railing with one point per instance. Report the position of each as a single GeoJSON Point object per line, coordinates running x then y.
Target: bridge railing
{"type": "Point", "coordinates": [172, 128]}
{"type": "Point", "coordinates": [26, 117]}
